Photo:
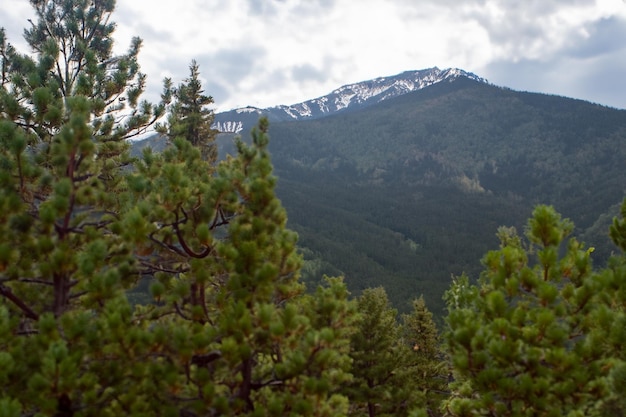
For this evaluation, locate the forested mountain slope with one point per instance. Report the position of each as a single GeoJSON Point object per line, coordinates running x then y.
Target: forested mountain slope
{"type": "Point", "coordinates": [410, 191]}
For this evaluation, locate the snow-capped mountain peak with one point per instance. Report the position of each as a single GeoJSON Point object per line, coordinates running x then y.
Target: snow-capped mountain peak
{"type": "Point", "coordinates": [355, 95]}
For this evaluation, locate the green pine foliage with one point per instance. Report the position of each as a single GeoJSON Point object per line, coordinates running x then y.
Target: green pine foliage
{"type": "Point", "coordinates": [396, 367]}
{"type": "Point", "coordinates": [189, 116]}
{"type": "Point", "coordinates": [247, 341]}
{"type": "Point", "coordinates": [537, 335]}
{"type": "Point", "coordinates": [611, 319]}
{"type": "Point", "coordinates": [427, 367]}
{"type": "Point", "coordinates": [377, 356]}
{"type": "Point", "coordinates": [228, 329]}
{"type": "Point", "coordinates": [65, 265]}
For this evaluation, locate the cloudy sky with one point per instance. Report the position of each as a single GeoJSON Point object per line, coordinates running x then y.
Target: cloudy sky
{"type": "Point", "coordinates": [271, 52]}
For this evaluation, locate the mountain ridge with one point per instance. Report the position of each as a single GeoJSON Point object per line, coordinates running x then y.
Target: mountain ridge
{"type": "Point", "coordinates": [345, 98]}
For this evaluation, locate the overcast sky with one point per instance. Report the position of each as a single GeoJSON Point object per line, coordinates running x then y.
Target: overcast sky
{"type": "Point", "coordinates": [270, 52]}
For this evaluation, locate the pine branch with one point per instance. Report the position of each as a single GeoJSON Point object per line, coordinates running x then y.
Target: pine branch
{"type": "Point", "coordinates": [183, 243]}
{"type": "Point", "coordinates": [8, 294]}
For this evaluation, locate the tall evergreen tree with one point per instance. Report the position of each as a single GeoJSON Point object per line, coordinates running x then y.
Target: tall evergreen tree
{"type": "Point", "coordinates": [426, 365]}
{"type": "Point", "coordinates": [190, 117]}
{"type": "Point", "coordinates": [374, 353]}
{"type": "Point", "coordinates": [64, 263]}
{"type": "Point", "coordinates": [384, 378]}
{"type": "Point", "coordinates": [230, 331]}
{"type": "Point", "coordinates": [64, 147]}
{"type": "Point", "coordinates": [227, 285]}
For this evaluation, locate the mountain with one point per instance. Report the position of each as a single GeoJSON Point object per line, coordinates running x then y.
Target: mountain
{"type": "Point", "coordinates": [349, 97]}
{"type": "Point", "coordinates": [406, 191]}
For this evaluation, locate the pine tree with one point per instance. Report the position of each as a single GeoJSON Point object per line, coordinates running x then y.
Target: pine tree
{"type": "Point", "coordinates": [64, 265]}
{"type": "Point", "coordinates": [426, 365]}
{"type": "Point", "coordinates": [227, 282]}
{"type": "Point", "coordinates": [610, 320]}
{"type": "Point", "coordinates": [381, 385]}
{"type": "Point", "coordinates": [230, 331]}
{"type": "Point", "coordinates": [189, 116]}
{"type": "Point", "coordinates": [536, 335]}
{"type": "Point", "coordinates": [64, 145]}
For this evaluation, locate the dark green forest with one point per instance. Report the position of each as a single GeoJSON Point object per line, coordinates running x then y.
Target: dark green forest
{"type": "Point", "coordinates": [409, 192]}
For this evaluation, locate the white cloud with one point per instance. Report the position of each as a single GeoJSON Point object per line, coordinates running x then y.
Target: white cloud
{"type": "Point", "coordinates": [269, 52]}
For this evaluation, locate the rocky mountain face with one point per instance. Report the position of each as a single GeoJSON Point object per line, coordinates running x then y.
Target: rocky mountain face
{"type": "Point", "coordinates": [346, 98]}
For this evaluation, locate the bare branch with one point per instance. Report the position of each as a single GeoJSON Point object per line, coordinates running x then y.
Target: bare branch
{"type": "Point", "coordinates": [8, 294]}
{"type": "Point", "coordinates": [183, 243]}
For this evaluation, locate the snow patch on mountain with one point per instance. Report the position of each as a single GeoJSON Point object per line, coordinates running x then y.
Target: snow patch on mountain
{"type": "Point", "coordinates": [249, 109]}
{"type": "Point", "coordinates": [228, 126]}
